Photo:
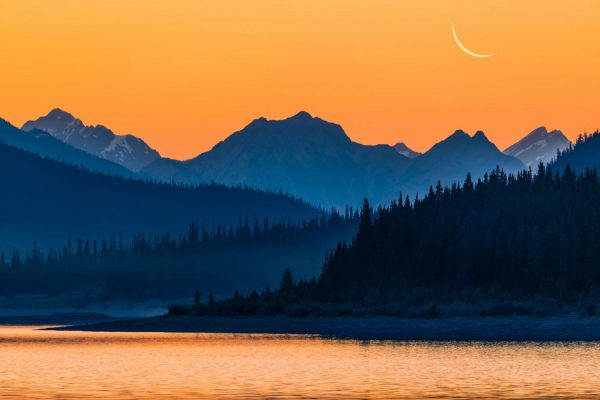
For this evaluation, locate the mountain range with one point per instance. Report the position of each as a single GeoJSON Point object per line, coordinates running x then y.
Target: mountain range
{"type": "Point", "coordinates": [302, 155]}
{"type": "Point", "coordinates": [315, 160]}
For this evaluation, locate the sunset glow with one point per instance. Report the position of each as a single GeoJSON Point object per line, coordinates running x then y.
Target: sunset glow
{"type": "Point", "coordinates": [184, 74]}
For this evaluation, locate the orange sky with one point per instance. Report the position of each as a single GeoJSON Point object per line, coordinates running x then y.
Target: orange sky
{"type": "Point", "coordinates": [183, 74]}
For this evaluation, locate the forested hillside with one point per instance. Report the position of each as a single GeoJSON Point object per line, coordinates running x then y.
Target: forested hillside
{"type": "Point", "coordinates": [523, 235]}
{"type": "Point", "coordinates": [584, 154]}
{"type": "Point", "coordinates": [503, 240]}
{"type": "Point", "coordinates": [219, 259]}
{"type": "Point", "coordinates": [47, 202]}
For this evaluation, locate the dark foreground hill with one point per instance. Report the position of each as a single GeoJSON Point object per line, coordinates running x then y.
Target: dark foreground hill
{"type": "Point", "coordinates": [46, 201]}
{"type": "Point", "coordinates": [585, 154]}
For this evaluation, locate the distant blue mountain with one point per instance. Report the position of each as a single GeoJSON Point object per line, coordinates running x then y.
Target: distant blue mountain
{"type": "Point", "coordinates": [315, 160]}
{"type": "Point", "coordinates": [46, 201]}
{"type": "Point", "coordinates": [43, 144]}
{"type": "Point", "coordinates": [302, 155]}
{"type": "Point", "coordinates": [451, 159]}
{"type": "Point", "coordinates": [126, 150]}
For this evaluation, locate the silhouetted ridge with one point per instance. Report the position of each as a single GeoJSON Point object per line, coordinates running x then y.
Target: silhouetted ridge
{"type": "Point", "coordinates": [458, 134]}
{"type": "Point", "coordinates": [449, 160]}
{"type": "Point", "coordinates": [301, 116]}
{"type": "Point", "coordinates": [58, 114]}
{"type": "Point", "coordinates": [314, 159]}
{"type": "Point", "coordinates": [257, 122]}
{"type": "Point", "coordinates": [301, 155]}
{"type": "Point", "coordinates": [480, 136]}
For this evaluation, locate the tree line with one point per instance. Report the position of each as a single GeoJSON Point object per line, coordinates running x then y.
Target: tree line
{"type": "Point", "coordinates": [220, 258]}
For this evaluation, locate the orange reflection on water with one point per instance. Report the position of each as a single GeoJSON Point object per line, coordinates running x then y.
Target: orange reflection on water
{"type": "Point", "coordinates": [48, 364]}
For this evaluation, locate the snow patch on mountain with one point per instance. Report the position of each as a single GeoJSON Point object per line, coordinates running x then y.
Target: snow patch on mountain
{"type": "Point", "coordinates": [538, 146]}
{"type": "Point", "coordinates": [406, 151]}
{"type": "Point", "coordinates": [127, 150]}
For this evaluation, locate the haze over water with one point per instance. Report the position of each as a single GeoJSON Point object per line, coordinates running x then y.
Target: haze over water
{"type": "Point", "coordinates": [69, 365]}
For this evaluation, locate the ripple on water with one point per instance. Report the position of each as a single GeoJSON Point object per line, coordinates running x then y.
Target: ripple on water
{"type": "Point", "coordinates": [53, 364]}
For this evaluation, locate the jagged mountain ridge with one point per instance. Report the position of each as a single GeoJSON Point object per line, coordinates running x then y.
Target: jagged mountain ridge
{"type": "Point", "coordinates": [451, 159]}
{"type": "Point", "coordinates": [539, 145]}
{"type": "Point", "coordinates": [126, 150]}
{"type": "Point", "coordinates": [315, 160]}
{"type": "Point", "coordinates": [305, 156]}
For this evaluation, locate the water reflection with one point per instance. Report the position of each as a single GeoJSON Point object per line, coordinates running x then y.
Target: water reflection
{"type": "Point", "coordinates": [48, 364]}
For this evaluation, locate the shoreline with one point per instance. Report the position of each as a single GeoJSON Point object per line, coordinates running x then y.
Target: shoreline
{"type": "Point", "coordinates": [517, 329]}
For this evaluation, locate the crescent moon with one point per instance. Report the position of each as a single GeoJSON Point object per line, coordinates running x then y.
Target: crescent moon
{"type": "Point", "coordinates": [463, 47]}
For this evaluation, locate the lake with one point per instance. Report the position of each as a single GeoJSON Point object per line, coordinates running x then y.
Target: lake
{"type": "Point", "coordinates": [75, 365]}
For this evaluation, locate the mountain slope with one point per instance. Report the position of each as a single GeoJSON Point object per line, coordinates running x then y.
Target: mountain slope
{"type": "Point", "coordinates": [302, 155]}
{"type": "Point", "coordinates": [46, 201]}
{"type": "Point", "coordinates": [450, 160]}
{"type": "Point", "coordinates": [127, 150]}
{"type": "Point", "coordinates": [538, 146]}
{"type": "Point", "coordinates": [406, 151]}
{"type": "Point", "coordinates": [41, 143]}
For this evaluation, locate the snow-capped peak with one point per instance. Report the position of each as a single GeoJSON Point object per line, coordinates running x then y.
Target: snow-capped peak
{"type": "Point", "coordinates": [538, 146]}
{"type": "Point", "coordinates": [127, 150]}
